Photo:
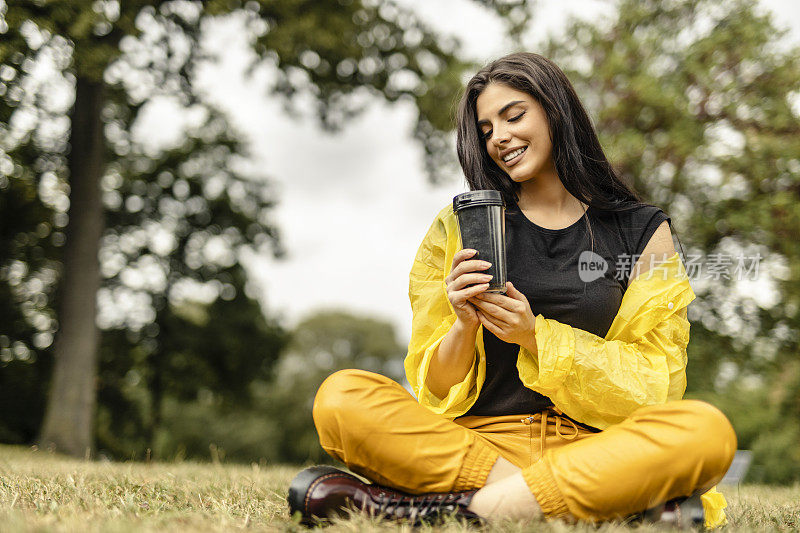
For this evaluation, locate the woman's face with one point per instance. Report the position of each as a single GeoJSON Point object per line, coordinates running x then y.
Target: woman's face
{"type": "Point", "coordinates": [515, 129]}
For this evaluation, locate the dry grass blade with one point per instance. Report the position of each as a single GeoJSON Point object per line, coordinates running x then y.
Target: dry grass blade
{"type": "Point", "coordinates": [40, 491]}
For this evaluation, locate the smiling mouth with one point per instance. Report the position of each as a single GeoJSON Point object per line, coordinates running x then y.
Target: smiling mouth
{"type": "Point", "coordinates": [513, 157]}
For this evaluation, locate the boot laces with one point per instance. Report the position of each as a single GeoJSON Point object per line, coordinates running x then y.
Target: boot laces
{"type": "Point", "coordinates": [416, 508]}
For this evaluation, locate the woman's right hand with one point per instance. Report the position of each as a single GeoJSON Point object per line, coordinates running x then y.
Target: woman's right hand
{"type": "Point", "coordinates": [466, 272]}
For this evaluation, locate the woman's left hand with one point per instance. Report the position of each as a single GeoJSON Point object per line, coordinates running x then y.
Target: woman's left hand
{"type": "Point", "coordinates": [508, 316]}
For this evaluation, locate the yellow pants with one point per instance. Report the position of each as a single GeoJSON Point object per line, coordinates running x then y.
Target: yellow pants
{"type": "Point", "coordinates": [661, 452]}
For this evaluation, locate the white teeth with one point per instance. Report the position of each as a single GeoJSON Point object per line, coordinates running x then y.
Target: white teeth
{"type": "Point", "coordinates": [513, 154]}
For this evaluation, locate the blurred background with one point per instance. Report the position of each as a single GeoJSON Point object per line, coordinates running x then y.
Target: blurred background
{"type": "Point", "coordinates": [207, 207]}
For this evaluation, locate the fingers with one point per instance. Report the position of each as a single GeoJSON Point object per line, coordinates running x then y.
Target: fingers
{"type": "Point", "coordinates": [468, 267]}
{"type": "Point", "coordinates": [460, 297]}
{"type": "Point", "coordinates": [462, 255]}
{"type": "Point", "coordinates": [489, 323]}
{"type": "Point", "coordinates": [497, 313]}
{"type": "Point", "coordinates": [462, 264]}
{"type": "Point", "coordinates": [467, 279]}
{"type": "Point", "coordinates": [514, 293]}
{"type": "Point", "coordinates": [465, 267]}
{"type": "Point", "coordinates": [509, 304]}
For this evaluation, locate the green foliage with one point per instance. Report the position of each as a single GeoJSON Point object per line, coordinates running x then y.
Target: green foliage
{"type": "Point", "coordinates": [26, 248]}
{"type": "Point", "coordinates": [762, 428]}
{"type": "Point", "coordinates": [194, 362]}
{"type": "Point", "coordinates": [696, 103]}
{"type": "Point", "coordinates": [275, 424]}
{"type": "Point", "coordinates": [321, 344]}
{"type": "Point", "coordinates": [178, 218]}
{"type": "Point", "coordinates": [205, 431]}
{"type": "Point", "coordinates": [777, 455]}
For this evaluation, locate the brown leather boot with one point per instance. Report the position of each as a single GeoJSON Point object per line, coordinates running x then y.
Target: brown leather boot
{"type": "Point", "coordinates": [321, 492]}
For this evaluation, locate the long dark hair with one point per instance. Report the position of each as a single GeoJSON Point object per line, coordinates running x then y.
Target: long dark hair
{"type": "Point", "coordinates": [578, 157]}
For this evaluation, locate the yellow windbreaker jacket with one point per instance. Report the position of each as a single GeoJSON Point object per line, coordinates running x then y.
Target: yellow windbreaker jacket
{"type": "Point", "coordinates": [597, 381]}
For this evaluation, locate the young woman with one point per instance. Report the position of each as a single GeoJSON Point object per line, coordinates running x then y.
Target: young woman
{"type": "Point", "coordinates": [560, 398]}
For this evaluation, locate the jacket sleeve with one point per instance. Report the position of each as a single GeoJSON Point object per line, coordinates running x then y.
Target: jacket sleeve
{"type": "Point", "coordinates": [641, 361]}
{"type": "Point", "coordinates": [432, 318]}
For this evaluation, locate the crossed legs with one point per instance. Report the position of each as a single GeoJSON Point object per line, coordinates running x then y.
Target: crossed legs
{"type": "Point", "coordinates": [378, 429]}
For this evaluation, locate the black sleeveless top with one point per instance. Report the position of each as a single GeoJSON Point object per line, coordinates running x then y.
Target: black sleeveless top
{"type": "Point", "coordinates": [571, 275]}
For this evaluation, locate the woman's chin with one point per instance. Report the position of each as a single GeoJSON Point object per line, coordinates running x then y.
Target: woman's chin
{"type": "Point", "coordinates": [518, 173]}
{"type": "Point", "coordinates": [519, 178]}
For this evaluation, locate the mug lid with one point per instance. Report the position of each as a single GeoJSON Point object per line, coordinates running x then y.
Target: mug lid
{"type": "Point", "coordinates": [481, 197]}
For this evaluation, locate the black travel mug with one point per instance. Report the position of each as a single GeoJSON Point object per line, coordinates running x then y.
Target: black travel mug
{"type": "Point", "coordinates": [482, 223]}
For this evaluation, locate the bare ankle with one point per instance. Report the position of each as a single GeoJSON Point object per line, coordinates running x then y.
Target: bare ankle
{"type": "Point", "coordinates": [502, 469]}
{"type": "Point", "coordinates": [508, 498]}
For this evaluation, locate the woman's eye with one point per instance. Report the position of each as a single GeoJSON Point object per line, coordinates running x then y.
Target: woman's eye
{"type": "Point", "coordinates": [514, 119]}
{"type": "Point", "coordinates": [487, 134]}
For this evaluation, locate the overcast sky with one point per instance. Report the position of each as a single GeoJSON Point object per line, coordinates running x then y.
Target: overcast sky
{"type": "Point", "coordinates": [353, 206]}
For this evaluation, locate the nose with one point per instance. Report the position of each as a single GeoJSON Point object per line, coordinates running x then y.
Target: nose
{"type": "Point", "coordinates": [501, 137]}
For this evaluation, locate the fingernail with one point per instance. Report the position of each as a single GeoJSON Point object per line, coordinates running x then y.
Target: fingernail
{"type": "Point", "coordinates": [485, 264]}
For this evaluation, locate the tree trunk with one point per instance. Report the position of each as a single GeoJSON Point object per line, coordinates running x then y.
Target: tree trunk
{"type": "Point", "coordinates": [155, 362]}
{"type": "Point", "coordinates": [69, 419]}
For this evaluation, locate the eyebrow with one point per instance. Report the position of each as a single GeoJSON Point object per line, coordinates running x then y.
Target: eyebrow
{"type": "Point", "coordinates": [502, 110]}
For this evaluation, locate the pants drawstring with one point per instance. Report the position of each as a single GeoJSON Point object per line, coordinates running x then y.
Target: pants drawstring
{"type": "Point", "coordinates": [559, 417]}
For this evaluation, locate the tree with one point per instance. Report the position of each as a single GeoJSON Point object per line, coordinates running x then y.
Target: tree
{"type": "Point", "coordinates": [25, 318]}
{"type": "Point", "coordinates": [321, 344]}
{"type": "Point", "coordinates": [696, 101]}
{"type": "Point", "coordinates": [275, 424]}
{"type": "Point", "coordinates": [117, 58]}
{"type": "Point", "coordinates": [202, 357]}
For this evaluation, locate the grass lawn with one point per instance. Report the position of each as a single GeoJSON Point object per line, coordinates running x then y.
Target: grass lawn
{"type": "Point", "coordinates": [40, 491]}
